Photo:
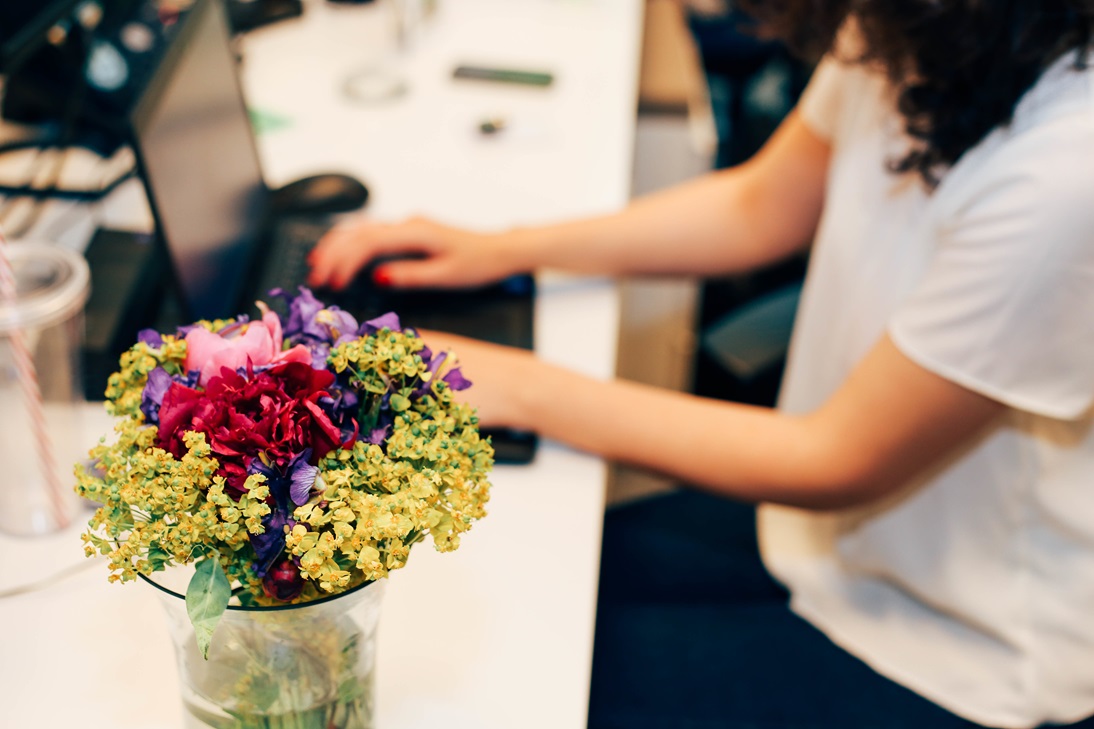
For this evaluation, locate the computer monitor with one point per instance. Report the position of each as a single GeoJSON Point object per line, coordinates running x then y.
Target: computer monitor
{"type": "Point", "coordinates": [200, 164]}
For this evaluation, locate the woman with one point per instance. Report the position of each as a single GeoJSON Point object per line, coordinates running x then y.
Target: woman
{"type": "Point", "coordinates": [934, 430]}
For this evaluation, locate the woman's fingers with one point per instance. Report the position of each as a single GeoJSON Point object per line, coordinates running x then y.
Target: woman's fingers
{"type": "Point", "coordinates": [349, 247]}
{"type": "Point", "coordinates": [422, 253]}
{"type": "Point", "coordinates": [416, 273]}
{"type": "Point", "coordinates": [339, 255]}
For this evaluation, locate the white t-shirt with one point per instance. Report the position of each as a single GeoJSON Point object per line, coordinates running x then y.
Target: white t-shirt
{"type": "Point", "coordinates": [973, 586]}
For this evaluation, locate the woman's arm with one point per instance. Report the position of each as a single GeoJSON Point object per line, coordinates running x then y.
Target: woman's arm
{"type": "Point", "coordinates": [890, 420]}
{"type": "Point", "coordinates": [726, 221]}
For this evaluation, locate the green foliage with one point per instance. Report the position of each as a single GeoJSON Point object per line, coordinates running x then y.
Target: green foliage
{"type": "Point", "coordinates": [207, 598]}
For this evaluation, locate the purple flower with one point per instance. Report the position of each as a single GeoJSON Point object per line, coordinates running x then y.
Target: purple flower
{"type": "Point", "coordinates": [152, 396]}
{"type": "Point", "coordinates": [389, 320]}
{"type": "Point", "coordinates": [453, 378]}
{"type": "Point", "coordinates": [292, 483]}
{"type": "Point", "coordinates": [311, 319]}
{"type": "Point", "coordinates": [433, 362]}
{"type": "Point", "coordinates": [318, 327]}
{"type": "Point", "coordinates": [150, 337]}
{"type": "Point", "coordinates": [302, 310]}
{"type": "Point", "coordinates": [341, 405]}
{"type": "Point", "coordinates": [337, 323]}
{"type": "Point", "coordinates": [159, 381]}
{"type": "Point", "coordinates": [301, 476]}
{"type": "Point", "coordinates": [456, 380]}
{"type": "Point", "coordinates": [269, 544]}
{"type": "Point", "coordinates": [340, 401]}
{"type": "Point", "coordinates": [377, 436]}
{"type": "Point", "coordinates": [289, 487]}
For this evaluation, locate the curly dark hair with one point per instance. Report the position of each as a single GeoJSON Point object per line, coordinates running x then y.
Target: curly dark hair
{"type": "Point", "coordinates": [961, 66]}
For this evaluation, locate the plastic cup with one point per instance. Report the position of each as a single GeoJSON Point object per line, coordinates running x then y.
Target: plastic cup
{"type": "Point", "coordinates": [41, 393]}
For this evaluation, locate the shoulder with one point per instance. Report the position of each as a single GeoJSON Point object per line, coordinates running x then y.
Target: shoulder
{"type": "Point", "coordinates": [839, 86]}
{"type": "Point", "coordinates": [1039, 169]}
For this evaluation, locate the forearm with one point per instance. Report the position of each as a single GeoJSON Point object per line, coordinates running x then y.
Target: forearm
{"type": "Point", "coordinates": [692, 229]}
{"type": "Point", "coordinates": [744, 452]}
{"type": "Point", "coordinates": [890, 421]}
{"type": "Point", "coordinates": [724, 222]}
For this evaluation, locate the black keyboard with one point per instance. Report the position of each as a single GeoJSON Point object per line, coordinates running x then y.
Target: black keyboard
{"type": "Point", "coordinates": [286, 263]}
{"type": "Point", "coordinates": [500, 313]}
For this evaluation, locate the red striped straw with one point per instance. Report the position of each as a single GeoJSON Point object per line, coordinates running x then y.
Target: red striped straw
{"type": "Point", "coordinates": [28, 380]}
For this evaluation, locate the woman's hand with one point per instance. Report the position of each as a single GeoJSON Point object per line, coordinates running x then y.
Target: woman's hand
{"type": "Point", "coordinates": [428, 255]}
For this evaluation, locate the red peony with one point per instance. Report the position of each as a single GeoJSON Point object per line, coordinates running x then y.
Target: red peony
{"type": "Point", "coordinates": [276, 411]}
{"type": "Point", "coordinates": [283, 582]}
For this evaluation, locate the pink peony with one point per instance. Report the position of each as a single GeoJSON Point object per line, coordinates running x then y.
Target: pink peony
{"type": "Point", "coordinates": [255, 344]}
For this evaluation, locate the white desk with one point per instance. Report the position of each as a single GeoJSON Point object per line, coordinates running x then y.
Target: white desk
{"type": "Point", "coordinates": [516, 644]}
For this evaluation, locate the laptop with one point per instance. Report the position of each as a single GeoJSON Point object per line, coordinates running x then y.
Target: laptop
{"type": "Point", "coordinates": [198, 158]}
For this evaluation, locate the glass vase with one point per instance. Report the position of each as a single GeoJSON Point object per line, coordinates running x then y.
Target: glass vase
{"type": "Point", "coordinates": [307, 666]}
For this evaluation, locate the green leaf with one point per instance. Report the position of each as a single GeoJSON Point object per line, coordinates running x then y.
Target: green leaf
{"type": "Point", "coordinates": [158, 557]}
{"type": "Point", "coordinates": [350, 690]}
{"type": "Point", "coordinates": [369, 415]}
{"type": "Point", "coordinates": [104, 546]}
{"type": "Point", "coordinates": [264, 692]}
{"type": "Point", "coordinates": [207, 598]}
{"type": "Point", "coordinates": [122, 518]}
{"type": "Point", "coordinates": [399, 402]}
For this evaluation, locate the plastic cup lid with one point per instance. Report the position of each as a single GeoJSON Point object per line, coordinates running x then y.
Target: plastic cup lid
{"type": "Point", "coordinates": [51, 285]}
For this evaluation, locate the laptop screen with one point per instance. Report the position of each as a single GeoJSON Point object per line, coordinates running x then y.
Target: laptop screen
{"type": "Point", "coordinates": [193, 139]}
{"type": "Point", "coordinates": [200, 166]}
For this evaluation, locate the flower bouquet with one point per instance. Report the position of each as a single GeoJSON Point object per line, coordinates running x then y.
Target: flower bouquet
{"type": "Point", "coordinates": [291, 463]}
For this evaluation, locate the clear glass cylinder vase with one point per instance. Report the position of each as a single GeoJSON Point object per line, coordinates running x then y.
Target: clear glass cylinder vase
{"type": "Point", "coordinates": [307, 666]}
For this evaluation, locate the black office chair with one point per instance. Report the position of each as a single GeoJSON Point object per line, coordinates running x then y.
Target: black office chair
{"type": "Point", "coordinates": [745, 320]}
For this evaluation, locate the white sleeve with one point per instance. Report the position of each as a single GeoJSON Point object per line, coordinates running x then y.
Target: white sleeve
{"type": "Point", "coordinates": [820, 104]}
{"type": "Point", "coordinates": [1007, 306]}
